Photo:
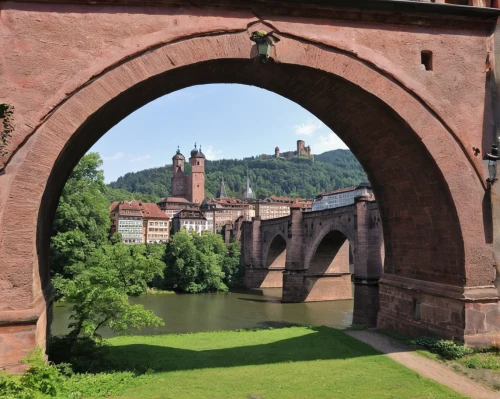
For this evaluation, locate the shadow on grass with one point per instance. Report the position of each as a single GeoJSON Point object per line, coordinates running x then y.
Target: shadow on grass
{"type": "Point", "coordinates": [321, 343]}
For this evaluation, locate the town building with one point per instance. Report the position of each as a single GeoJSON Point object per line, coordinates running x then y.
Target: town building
{"type": "Point", "coordinates": [156, 224]}
{"type": "Point", "coordinates": [192, 220]}
{"type": "Point", "coordinates": [276, 207]}
{"type": "Point", "coordinates": [341, 197]}
{"type": "Point", "coordinates": [227, 210]}
{"type": "Point", "coordinates": [171, 205]}
{"type": "Point", "coordinates": [139, 222]}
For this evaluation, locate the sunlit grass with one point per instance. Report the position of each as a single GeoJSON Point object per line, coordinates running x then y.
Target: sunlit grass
{"type": "Point", "coordinates": [295, 362]}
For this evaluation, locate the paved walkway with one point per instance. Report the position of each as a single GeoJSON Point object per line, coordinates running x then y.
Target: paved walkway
{"type": "Point", "coordinates": [426, 367]}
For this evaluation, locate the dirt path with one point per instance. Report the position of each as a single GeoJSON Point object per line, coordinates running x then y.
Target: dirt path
{"type": "Point", "coordinates": [426, 367]}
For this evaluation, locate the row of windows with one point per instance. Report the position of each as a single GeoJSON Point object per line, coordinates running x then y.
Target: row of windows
{"type": "Point", "coordinates": [158, 223]}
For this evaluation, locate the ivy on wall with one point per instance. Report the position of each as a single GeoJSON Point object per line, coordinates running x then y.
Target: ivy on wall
{"type": "Point", "coordinates": [6, 115]}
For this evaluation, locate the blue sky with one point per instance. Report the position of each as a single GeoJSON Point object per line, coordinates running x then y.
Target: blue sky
{"type": "Point", "coordinates": [228, 120]}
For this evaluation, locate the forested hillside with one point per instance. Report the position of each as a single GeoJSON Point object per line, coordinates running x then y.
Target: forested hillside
{"type": "Point", "coordinates": [296, 177]}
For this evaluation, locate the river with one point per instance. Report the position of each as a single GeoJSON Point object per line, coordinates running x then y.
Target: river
{"type": "Point", "coordinates": [185, 313]}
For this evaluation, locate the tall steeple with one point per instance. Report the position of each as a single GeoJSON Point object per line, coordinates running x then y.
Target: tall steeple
{"type": "Point", "coordinates": [197, 177]}
{"type": "Point", "coordinates": [179, 181]}
{"type": "Point", "coordinates": [222, 190]}
{"type": "Point", "coordinates": [247, 192]}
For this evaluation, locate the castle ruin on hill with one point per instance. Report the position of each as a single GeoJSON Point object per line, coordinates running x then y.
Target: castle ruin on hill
{"type": "Point", "coordinates": [302, 150]}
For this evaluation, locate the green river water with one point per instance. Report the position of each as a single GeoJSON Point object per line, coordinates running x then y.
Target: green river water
{"type": "Point", "coordinates": [185, 313]}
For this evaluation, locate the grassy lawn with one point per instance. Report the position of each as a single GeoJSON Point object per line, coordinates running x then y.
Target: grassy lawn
{"type": "Point", "coordinates": [295, 362]}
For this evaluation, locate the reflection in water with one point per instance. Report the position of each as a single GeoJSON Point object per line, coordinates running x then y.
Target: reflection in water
{"type": "Point", "coordinates": [185, 313]}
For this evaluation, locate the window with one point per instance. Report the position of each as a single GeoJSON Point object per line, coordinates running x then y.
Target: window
{"type": "Point", "coordinates": [426, 59]}
{"type": "Point", "coordinates": [416, 309]}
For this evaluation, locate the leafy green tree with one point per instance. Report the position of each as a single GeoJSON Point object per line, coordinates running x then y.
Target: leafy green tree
{"type": "Point", "coordinates": [100, 288]}
{"type": "Point", "coordinates": [195, 262]}
{"type": "Point", "coordinates": [231, 265]}
{"type": "Point", "coordinates": [81, 222]}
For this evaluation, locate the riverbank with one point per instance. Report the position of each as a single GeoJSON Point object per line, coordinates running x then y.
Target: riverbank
{"type": "Point", "coordinates": [292, 362]}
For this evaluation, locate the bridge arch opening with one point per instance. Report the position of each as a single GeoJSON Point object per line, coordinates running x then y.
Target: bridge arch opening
{"type": "Point", "coordinates": [331, 255]}
{"type": "Point", "coordinates": [276, 255]}
{"type": "Point", "coordinates": [328, 277]}
{"type": "Point", "coordinates": [416, 169]}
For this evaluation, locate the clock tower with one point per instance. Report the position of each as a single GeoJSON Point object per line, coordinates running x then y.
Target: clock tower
{"type": "Point", "coordinates": [179, 180]}
{"type": "Point", "coordinates": [197, 178]}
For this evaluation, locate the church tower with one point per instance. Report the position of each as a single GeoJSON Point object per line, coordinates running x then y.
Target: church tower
{"type": "Point", "coordinates": [179, 180]}
{"type": "Point", "coordinates": [247, 191]}
{"type": "Point", "coordinates": [197, 178]}
{"type": "Point", "coordinates": [222, 190]}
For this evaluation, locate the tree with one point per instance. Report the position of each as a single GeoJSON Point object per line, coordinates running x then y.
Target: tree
{"type": "Point", "coordinates": [195, 262]}
{"type": "Point", "coordinates": [231, 265]}
{"type": "Point", "coordinates": [100, 287]}
{"type": "Point", "coordinates": [81, 222]}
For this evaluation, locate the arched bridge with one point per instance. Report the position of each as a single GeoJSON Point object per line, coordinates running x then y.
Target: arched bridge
{"type": "Point", "coordinates": [411, 87]}
{"type": "Point", "coordinates": [308, 254]}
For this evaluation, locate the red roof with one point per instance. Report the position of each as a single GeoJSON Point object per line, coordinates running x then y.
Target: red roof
{"type": "Point", "coordinates": [152, 211]}
{"type": "Point", "coordinates": [176, 200]}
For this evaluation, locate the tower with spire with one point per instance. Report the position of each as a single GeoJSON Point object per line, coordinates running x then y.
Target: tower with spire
{"type": "Point", "coordinates": [179, 180]}
{"type": "Point", "coordinates": [221, 193]}
{"type": "Point", "coordinates": [247, 192]}
{"type": "Point", "coordinates": [196, 192]}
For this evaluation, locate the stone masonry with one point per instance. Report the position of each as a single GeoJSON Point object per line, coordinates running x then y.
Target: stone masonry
{"type": "Point", "coordinates": [410, 87]}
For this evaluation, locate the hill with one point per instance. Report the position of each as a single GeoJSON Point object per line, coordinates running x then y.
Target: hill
{"type": "Point", "coordinates": [295, 177]}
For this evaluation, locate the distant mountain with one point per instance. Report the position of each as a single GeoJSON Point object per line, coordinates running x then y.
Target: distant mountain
{"type": "Point", "coordinates": [295, 177]}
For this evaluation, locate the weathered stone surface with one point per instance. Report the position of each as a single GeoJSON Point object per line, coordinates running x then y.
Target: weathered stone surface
{"type": "Point", "coordinates": [73, 71]}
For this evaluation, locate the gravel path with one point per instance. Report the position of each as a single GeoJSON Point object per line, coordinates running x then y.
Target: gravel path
{"type": "Point", "coordinates": [426, 367]}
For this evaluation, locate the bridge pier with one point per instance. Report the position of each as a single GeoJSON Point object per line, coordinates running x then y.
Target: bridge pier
{"type": "Point", "coordinates": [23, 330]}
{"type": "Point", "coordinates": [263, 277]}
{"type": "Point", "coordinates": [368, 263]}
{"type": "Point", "coordinates": [366, 301]}
{"type": "Point", "coordinates": [299, 286]}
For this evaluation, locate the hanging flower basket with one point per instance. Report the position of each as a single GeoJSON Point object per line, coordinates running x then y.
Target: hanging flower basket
{"type": "Point", "coordinates": [264, 43]}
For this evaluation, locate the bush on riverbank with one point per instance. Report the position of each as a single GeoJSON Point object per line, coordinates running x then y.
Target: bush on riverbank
{"type": "Point", "coordinates": [445, 348]}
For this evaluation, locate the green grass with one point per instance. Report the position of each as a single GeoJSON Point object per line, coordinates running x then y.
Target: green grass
{"type": "Point", "coordinates": [489, 360]}
{"type": "Point", "coordinates": [294, 362]}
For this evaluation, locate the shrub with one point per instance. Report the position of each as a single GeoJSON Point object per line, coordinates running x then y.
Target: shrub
{"type": "Point", "coordinates": [39, 381]}
{"type": "Point", "coordinates": [84, 354]}
{"type": "Point", "coordinates": [445, 348]}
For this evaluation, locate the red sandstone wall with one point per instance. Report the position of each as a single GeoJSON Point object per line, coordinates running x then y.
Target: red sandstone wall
{"type": "Point", "coordinates": [68, 50]}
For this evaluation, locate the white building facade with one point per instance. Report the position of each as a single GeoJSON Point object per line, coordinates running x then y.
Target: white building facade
{"type": "Point", "coordinates": [130, 227]}
{"type": "Point", "coordinates": [193, 221]}
{"type": "Point", "coordinates": [342, 197]}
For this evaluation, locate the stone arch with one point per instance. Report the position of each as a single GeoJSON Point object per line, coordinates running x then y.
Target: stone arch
{"type": "Point", "coordinates": [337, 224]}
{"type": "Point", "coordinates": [275, 255]}
{"type": "Point", "coordinates": [331, 254]}
{"type": "Point", "coordinates": [429, 203]}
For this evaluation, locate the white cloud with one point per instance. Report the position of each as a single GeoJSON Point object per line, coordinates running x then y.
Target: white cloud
{"type": "Point", "coordinates": [211, 153]}
{"type": "Point", "coordinates": [114, 157]}
{"type": "Point", "coordinates": [327, 142]}
{"type": "Point", "coordinates": [307, 129]}
{"type": "Point", "coordinates": [140, 158]}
